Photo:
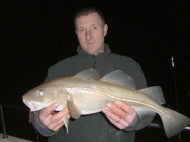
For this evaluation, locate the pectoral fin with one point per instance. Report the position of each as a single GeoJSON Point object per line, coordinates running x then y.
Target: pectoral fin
{"type": "Point", "coordinates": [74, 111]}
{"type": "Point", "coordinates": [66, 121]}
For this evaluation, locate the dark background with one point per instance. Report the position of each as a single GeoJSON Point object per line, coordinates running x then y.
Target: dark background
{"type": "Point", "coordinates": [35, 34]}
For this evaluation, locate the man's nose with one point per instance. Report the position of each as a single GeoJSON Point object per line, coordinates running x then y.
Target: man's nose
{"type": "Point", "coordinates": [88, 34]}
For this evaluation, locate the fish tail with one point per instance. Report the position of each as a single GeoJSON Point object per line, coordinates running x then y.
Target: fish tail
{"type": "Point", "coordinates": [175, 125]}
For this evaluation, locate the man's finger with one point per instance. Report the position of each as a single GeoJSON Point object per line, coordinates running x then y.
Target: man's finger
{"type": "Point", "coordinates": [125, 107]}
{"type": "Point", "coordinates": [48, 110]}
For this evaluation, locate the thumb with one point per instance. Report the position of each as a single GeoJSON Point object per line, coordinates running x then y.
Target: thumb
{"type": "Point", "coordinates": [48, 110]}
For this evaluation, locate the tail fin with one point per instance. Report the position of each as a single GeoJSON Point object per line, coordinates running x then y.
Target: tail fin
{"type": "Point", "coordinates": [175, 126]}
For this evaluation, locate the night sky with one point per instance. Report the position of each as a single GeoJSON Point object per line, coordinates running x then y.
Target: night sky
{"type": "Point", "coordinates": [36, 34]}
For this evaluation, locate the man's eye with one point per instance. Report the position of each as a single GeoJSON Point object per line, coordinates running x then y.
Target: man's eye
{"type": "Point", "coordinates": [81, 30]}
{"type": "Point", "coordinates": [94, 28]}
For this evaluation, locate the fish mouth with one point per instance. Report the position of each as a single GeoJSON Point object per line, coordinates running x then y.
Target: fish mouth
{"type": "Point", "coordinates": [33, 105]}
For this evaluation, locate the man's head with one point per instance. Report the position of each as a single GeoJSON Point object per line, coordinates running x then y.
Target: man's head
{"type": "Point", "coordinates": [91, 30]}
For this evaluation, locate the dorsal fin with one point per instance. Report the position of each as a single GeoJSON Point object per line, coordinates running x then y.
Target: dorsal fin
{"type": "Point", "coordinates": [120, 78]}
{"type": "Point", "coordinates": [155, 92]}
{"type": "Point", "coordinates": [88, 74]}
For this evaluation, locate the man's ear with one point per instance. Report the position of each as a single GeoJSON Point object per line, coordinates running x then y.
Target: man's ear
{"type": "Point", "coordinates": [76, 31]}
{"type": "Point", "coordinates": [105, 29]}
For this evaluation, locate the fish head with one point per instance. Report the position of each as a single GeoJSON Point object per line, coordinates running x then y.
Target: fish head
{"type": "Point", "coordinates": [44, 95]}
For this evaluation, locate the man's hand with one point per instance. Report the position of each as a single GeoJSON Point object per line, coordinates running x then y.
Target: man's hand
{"type": "Point", "coordinates": [50, 120]}
{"type": "Point", "coordinates": [120, 114]}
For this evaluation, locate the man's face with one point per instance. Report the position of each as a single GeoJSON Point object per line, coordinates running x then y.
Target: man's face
{"type": "Point", "coordinates": [90, 32]}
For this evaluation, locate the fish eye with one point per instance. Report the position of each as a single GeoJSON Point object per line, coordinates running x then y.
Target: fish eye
{"type": "Point", "coordinates": [40, 93]}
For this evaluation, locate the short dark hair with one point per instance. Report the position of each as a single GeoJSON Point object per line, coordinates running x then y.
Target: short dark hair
{"type": "Point", "coordinates": [88, 10]}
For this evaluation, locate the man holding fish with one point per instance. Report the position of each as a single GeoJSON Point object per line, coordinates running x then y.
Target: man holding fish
{"type": "Point", "coordinates": [117, 121]}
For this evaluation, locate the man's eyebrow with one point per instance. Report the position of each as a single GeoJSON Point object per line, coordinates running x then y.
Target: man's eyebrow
{"type": "Point", "coordinates": [79, 28]}
{"type": "Point", "coordinates": [90, 26]}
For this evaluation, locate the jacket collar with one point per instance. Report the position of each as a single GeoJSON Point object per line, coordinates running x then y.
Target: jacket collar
{"type": "Point", "coordinates": [99, 56]}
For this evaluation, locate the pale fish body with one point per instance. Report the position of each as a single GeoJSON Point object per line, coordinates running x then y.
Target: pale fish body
{"type": "Point", "coordinates": [85, 93]}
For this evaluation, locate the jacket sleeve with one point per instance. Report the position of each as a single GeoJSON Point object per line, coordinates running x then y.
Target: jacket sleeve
{"type": "Point", "coordinates": [43, 130]}
{"type": "Point", "coordinates": [140, 124]}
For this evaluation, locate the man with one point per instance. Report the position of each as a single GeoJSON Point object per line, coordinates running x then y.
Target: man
{"type": "Point", "coordinates": [117, 121]}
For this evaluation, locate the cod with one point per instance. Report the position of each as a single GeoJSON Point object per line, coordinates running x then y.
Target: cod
{"type": "Point", "coordinates": [87, 93]}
